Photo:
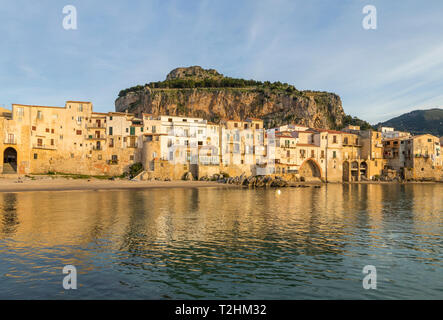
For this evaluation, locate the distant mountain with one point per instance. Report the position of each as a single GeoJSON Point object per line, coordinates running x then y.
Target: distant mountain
{"type": "Point", "coordinates": [418, 122]}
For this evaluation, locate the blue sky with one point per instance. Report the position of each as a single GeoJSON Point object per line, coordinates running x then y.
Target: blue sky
{"type": "Point", "coordinates": [316, 44]}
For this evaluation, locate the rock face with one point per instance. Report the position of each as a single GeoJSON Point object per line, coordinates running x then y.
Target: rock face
{"type": "Point", "coordinates": [268, 102]}
{"type": "Point", "coordinates": [195, 72]}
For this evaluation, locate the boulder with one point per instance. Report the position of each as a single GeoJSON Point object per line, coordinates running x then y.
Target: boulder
{"type": "Point", "coordinates": [188, 176]}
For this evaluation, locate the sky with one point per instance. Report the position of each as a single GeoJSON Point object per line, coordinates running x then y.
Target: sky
{"type": "Point", "coordinates": [317, 45]}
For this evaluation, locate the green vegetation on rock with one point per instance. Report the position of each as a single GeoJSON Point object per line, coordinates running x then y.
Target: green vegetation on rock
{"type": "Point", "coordinates": [197, 92]}
{"type": "Point", "coordinates": [354, 121]}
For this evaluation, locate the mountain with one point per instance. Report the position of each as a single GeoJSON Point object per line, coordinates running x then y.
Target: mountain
{"type": "Point", "coordinates": [418, 122]}
{"type": "Point", "coordinates": [206, 93]}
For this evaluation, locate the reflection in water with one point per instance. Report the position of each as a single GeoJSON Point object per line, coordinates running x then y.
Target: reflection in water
{"type": "Point", "coordinates": [224, 243]}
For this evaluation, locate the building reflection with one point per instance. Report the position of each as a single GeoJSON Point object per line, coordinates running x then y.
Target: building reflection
{"type": "Point", "coordinates": [208, 230]}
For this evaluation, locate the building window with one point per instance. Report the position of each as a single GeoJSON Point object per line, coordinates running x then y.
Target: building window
{"type": "Point", "coordinates": [79, 132]}
{"type": "Point", "coordinates": [52, 130]}
{"type": "Point", "coordinates": [11, 139]}
{"type": "Point", "coordinates": [52, 142]}
{"type": "Point", "coordinates": [99, 157]}
{"type": "Point", "coordinates": [334, 139]}
{"type": "Point", "coordinates": [322, 154]}
{"type": "Point", "coordinates": [334, 154]}
{"type": "Point", "coordinates": [35, 156]}
{"type": "Point", "coordinates": [39, 142]}
{"type": "Point", "coordinates": [257, 126]}
{"type": "Point", "coordinates": [39, 115]}
{"type": "Point", "coordinates": [20, 112]}
{"type": "Point", "coordinates": [236, 125]}
{"type": "Point", "coordinates": [111, 131]}
{"type": "Point", "coordinates": [47, 129]}
{"type": "Point", "coordinates": [131, 157]}
{"type": "Point", "coordinates": [312, 154]}
{"type": "Point", "coordinates": [34, 128]}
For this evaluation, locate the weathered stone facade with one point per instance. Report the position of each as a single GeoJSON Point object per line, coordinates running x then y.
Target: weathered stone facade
{"type": "Point", "coordinates": [71, 139]}
{"type": "Point", "coordinates": [74, 139]}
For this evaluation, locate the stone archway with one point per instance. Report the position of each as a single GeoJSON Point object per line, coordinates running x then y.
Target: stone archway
{"type": "Point", "coordinates": [310, 169]}
{"type": "Point", "coordinates": [10, 160]}
{"type": "Point", "coordinates": [363, 170]}
{"type": "Point", "coordinates": [346, 171]}
{"type": "Point", "coordinates": [354, 171]}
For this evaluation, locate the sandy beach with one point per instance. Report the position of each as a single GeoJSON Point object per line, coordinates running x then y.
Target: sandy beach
{"type": "Point", "coordinates": [61, 184]}
{"type": "Point", "coordinates": [45, 183]}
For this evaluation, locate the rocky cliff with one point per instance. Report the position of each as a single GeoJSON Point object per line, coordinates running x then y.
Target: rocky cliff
{"type": "Point", "coordinates": [207, 94]}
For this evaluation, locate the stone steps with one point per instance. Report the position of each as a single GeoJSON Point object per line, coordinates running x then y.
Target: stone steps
{"type": "Point", "coordinates": [9, 168]}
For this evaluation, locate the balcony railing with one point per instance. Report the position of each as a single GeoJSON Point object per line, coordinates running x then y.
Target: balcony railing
{"type": "Point", "coordinates": [95, 126]}
{"type": "Point", "coordinates": [44, 146]}
{"type": "Point", "coordinates": [96, 137]}
{"type": "Point", "coordinates": [10, 141]}
{"type": "Point", "coordinates": [209, 160]}
{"type": "Point", "coordinates": [97, 148]}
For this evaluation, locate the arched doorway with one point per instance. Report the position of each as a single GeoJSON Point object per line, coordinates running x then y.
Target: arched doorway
{"type": "Point", "coordinates": [346, 171]}
{"type": "Point", "coordinates": [10, 160]}
{"type": "Point", "coordinates": [354, 171]}
{"type": "Point", "coordinates": [363, 170]}
{"type": "Point", "coordinates": [310, 169]}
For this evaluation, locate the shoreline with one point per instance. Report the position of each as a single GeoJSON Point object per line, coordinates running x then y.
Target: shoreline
{"type": "Point", "coordinates": [46, 183]}
{"type": "Point", "coordinates": [61, 184]}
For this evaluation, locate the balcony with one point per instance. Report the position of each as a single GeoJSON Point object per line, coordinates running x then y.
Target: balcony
{"type": "Point", "coordinates": [133, 145]}
{"type": "Point", "coordinates": [95, 126]}
{"type": "Point", "coordinates": [112, 162]}
{"type": "Point", "coordinates": [10, 141]}
{"type": "Point", "coordinates": [96, 137]}
{"type": "Point", "coordinates": [208, 160]}
{"type": "Point", "coordinates": [44, 146]}
{"type": "Point", "coordinates": [97, 148]}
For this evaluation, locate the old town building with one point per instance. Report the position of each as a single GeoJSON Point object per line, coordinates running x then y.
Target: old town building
{"type": "Point", "coordinates": [75, 139]}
